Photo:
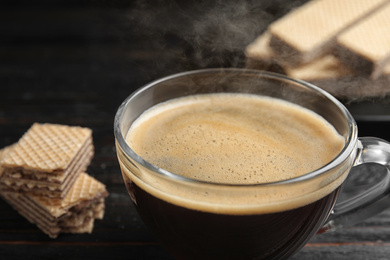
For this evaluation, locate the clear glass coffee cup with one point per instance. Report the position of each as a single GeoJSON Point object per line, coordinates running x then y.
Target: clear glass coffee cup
{"type": "Point", "coordinates": [196, 219]}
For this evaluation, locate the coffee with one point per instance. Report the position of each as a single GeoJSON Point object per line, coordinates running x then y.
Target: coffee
{"type": "Point", "coordinates": [234, 140]}
{"type": "Point", "coordinates": [193, 234]}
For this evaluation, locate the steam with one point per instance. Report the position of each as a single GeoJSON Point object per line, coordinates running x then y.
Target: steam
{"type": "Point", "coordinates": [200, 34]}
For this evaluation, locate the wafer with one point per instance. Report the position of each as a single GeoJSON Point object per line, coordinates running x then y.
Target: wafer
{"type": "Point", "coordinates": [365, 47]}
{"type": "Point", "coordinates": [261, 56]}
{"type": "Point", "coordinates": [327, 72]}
{"type": "Point", "coordinates": [325, 67]}
{"type": "Point", "coordinates": [2, 153]}
{"type": "Point", "coordinates": [75, 213]}
{"type": "Point", "coordinates": [339, 80]}
{"type": "Point", "coordinates": [309, 31]}
{"type": "Point", "coordinates": [47, 160]}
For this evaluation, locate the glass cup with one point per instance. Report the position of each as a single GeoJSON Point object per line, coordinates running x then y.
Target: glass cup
{"type": "Point", "coordinates": [268, 221]}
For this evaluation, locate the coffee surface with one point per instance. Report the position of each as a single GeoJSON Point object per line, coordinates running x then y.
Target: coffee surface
{"type": "Point", "coordinates": [234, 138]}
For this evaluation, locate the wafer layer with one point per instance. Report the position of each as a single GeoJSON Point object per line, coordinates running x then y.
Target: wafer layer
{"type": "Point", "coordinates": [309, 31]}
{"type": "Point", "coordinates": [73, 214]}
{"type": "Point", "coordinates": [260, 56]}
{"type": "Point", "coordinates": [47, 160]}
{"type": "Point", "coordinates": [365, 47]}
{"type": "Point", "coordinates": [3, 152]}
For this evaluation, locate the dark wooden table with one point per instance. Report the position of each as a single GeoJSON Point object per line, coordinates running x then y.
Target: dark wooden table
{"type": "Point", "coordinates": [74, 62]}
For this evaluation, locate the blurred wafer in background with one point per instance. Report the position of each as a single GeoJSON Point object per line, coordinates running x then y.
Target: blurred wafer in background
{"type": "Point", "coordinates": [309, 31]}
{"type": "Point", "coordinates": [365, 47]}
{"type": "Point", "coordinates": [261, 56]}
{"type": "Point", "coordinates": [334, 68]}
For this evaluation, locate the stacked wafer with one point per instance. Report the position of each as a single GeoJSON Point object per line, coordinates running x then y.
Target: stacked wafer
{"type": "Point", "coordinates": [43, 177]}
{"type": "Point", "coordinates": [340, 45]}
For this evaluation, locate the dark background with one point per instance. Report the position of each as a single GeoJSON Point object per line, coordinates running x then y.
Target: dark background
{"type": "Point", "coordinates": [74, 62]}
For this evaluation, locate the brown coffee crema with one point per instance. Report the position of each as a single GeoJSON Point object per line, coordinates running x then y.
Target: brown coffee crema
{"type": "Point", "coordinates": [233, 139]}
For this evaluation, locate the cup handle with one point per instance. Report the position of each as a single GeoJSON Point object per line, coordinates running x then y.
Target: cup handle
{"type": "Point", "coordinates": [364, 193]}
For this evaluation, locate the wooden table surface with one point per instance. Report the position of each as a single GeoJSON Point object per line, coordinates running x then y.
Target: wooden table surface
{"type": "Point", "coordinates": [74, 62]}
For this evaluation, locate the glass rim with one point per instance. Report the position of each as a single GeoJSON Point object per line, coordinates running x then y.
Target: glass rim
{"type": "Point", "coordinates": [341, 157]}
